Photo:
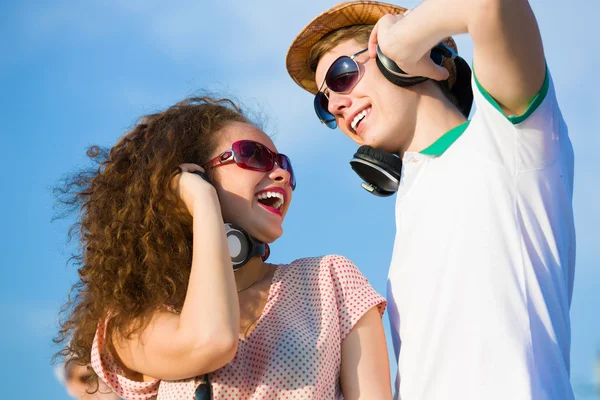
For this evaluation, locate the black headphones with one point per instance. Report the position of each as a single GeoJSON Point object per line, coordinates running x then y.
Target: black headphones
{"type": "Point", "coordinates": [381, 170]}
{"type": "Point", "coordinates": [398, 77]}
{"type": "Point", "coordinates": [242, 247]}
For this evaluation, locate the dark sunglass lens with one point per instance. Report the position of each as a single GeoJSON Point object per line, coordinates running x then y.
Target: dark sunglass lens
{"type": "Point", "coordinates": [321, 104]}
{"type": "Point", "coordinates": [255, 156]}
{"type": "Point", "coordinates": [286, 164]}
{"type": "Point", "coordinates": [342, 75]}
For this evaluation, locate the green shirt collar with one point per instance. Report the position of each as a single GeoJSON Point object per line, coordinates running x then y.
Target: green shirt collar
{"type": "Point", "coordinates": [438, 147]}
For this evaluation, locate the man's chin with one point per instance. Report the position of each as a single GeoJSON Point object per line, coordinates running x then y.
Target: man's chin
{"type": "Point", "coordinates": [380, 143]}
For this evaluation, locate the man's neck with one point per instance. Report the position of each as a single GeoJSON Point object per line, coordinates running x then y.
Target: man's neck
{"type": "Point", "coordinates": [435, 117]}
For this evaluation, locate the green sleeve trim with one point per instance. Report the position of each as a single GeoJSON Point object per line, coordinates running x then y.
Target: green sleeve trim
{"type": "Point", "coordinates": [438, 147]}
{"type": "Point", "coordinates": [535, 103]}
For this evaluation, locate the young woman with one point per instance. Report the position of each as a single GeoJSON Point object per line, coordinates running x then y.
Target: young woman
{"type": "Point", "coordinates": [164, 307]}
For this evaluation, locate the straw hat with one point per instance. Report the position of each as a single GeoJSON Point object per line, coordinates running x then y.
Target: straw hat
{"type": "Point", "coordinates": [365, 13]}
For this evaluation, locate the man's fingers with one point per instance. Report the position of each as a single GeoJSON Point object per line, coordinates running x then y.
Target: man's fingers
{"type": "Point", "coordinates": [381, 28]}
{"type": "Point", "coordinates": [433, 71]}
{"type": "Point", "coordinates": [382, 35]}
{"type": "Point", "coordinates": [373, 41]}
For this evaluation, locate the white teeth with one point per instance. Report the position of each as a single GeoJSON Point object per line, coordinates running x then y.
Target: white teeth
{"type": "Point", "coordinates": [358, 118]}
{"type": "Point", "coordinates": [266, 195]}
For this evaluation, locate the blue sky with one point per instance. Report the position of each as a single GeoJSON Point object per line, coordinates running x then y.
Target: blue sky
{"type": "Point", "coordinates": [78, 73]}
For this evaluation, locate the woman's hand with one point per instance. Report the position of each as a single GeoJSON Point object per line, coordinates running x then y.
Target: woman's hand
{"type": "Point", "coordinates": [204, 336]}
{"type": "Point", "coordinates": [191, 188]}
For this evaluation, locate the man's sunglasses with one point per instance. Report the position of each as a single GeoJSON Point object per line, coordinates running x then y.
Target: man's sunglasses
{"type": "Point", "coordinates": [344, 73]}
{"type": "Point", "coordinates": [248, 154]}
{"type": "Point", "coordinates": [341, 77]}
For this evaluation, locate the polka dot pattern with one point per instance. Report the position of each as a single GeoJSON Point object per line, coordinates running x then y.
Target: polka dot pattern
{"type": "Point", "coordinates": [295, 350]}
{"type": "Point", "coordinates": [111, 373]}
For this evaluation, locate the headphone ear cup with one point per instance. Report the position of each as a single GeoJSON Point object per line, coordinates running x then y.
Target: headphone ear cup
{"type": "Point", "coordinates": [242, 247]}
{"type": "Point", "coordinates": [381, 158]}
{"type": "Point", "coordinates": [462, 88]}
{"type": "Point", "coordinates": [239, 245]}
{"type": "Point", "coordinates": [379, 169]}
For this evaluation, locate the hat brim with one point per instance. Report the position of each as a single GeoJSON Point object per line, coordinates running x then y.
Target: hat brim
{"type": "Point", "coordinates": [339, 16]}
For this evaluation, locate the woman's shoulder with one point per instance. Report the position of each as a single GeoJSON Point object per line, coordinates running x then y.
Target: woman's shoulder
{"type": "Point", "coordinates": [310, 271]}
{"type": "Point", "coordinates": [315, 264]}
{"type": "Point", "coordinates": [332, 280]}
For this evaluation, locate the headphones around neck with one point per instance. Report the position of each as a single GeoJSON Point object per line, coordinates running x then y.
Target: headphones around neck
{"type": "Point", "coordinates": [242, 247]}
{"type": "Point", "coordinates": [381, 170]}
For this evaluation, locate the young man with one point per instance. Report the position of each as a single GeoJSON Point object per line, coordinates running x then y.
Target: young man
{"type": "Point", "coordinates": [481, 278]}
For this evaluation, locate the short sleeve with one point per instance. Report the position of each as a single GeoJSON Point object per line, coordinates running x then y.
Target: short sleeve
{"type": "Point", "coordinates": [354, 294]}
{"type": "Point", "coordinates": [521, 142]}
{"type": "Point", "coordinates": [109, 371]}
{"type": "Point", "coordinates": [482, 97]}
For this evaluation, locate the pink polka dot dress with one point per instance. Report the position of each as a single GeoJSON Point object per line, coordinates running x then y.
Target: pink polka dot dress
{"type": "Point", "coordinates": [293, 353]}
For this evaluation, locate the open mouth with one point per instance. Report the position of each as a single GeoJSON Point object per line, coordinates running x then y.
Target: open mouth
{"type": "Point", "coordinates": [359, 118]}
{"type": "Point", "coordinates": [271, 200]}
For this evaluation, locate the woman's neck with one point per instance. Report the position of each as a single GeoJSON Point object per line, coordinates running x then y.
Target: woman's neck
{"type": "Point", "coordinates": [251, 273]}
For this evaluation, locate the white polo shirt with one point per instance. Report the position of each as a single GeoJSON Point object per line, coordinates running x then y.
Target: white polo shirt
{"type": "Point", "coordinates": [481, 277]}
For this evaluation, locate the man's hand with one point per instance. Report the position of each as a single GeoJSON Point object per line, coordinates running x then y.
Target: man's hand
{"type": "Point", "coordinates": [395, 43]}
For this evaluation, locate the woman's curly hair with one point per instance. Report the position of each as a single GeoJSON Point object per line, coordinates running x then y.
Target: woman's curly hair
{"type": "Point", "coordinates": [135, 240]}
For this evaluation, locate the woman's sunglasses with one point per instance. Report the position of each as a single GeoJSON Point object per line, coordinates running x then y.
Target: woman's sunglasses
{"type": "Point", "coordinates": [248, 154]}
{"type": "Point", "coordinates": [341, 77]}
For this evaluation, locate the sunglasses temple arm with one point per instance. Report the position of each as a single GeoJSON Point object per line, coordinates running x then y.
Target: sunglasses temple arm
{"type": "Point", "coordinates": [212, 163]}
{"type": "Point", "coordinates": [219, 160]}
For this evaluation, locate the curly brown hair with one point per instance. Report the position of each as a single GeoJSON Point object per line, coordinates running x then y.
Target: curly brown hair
{"type": "Point", "coordinates": [135, 240]}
